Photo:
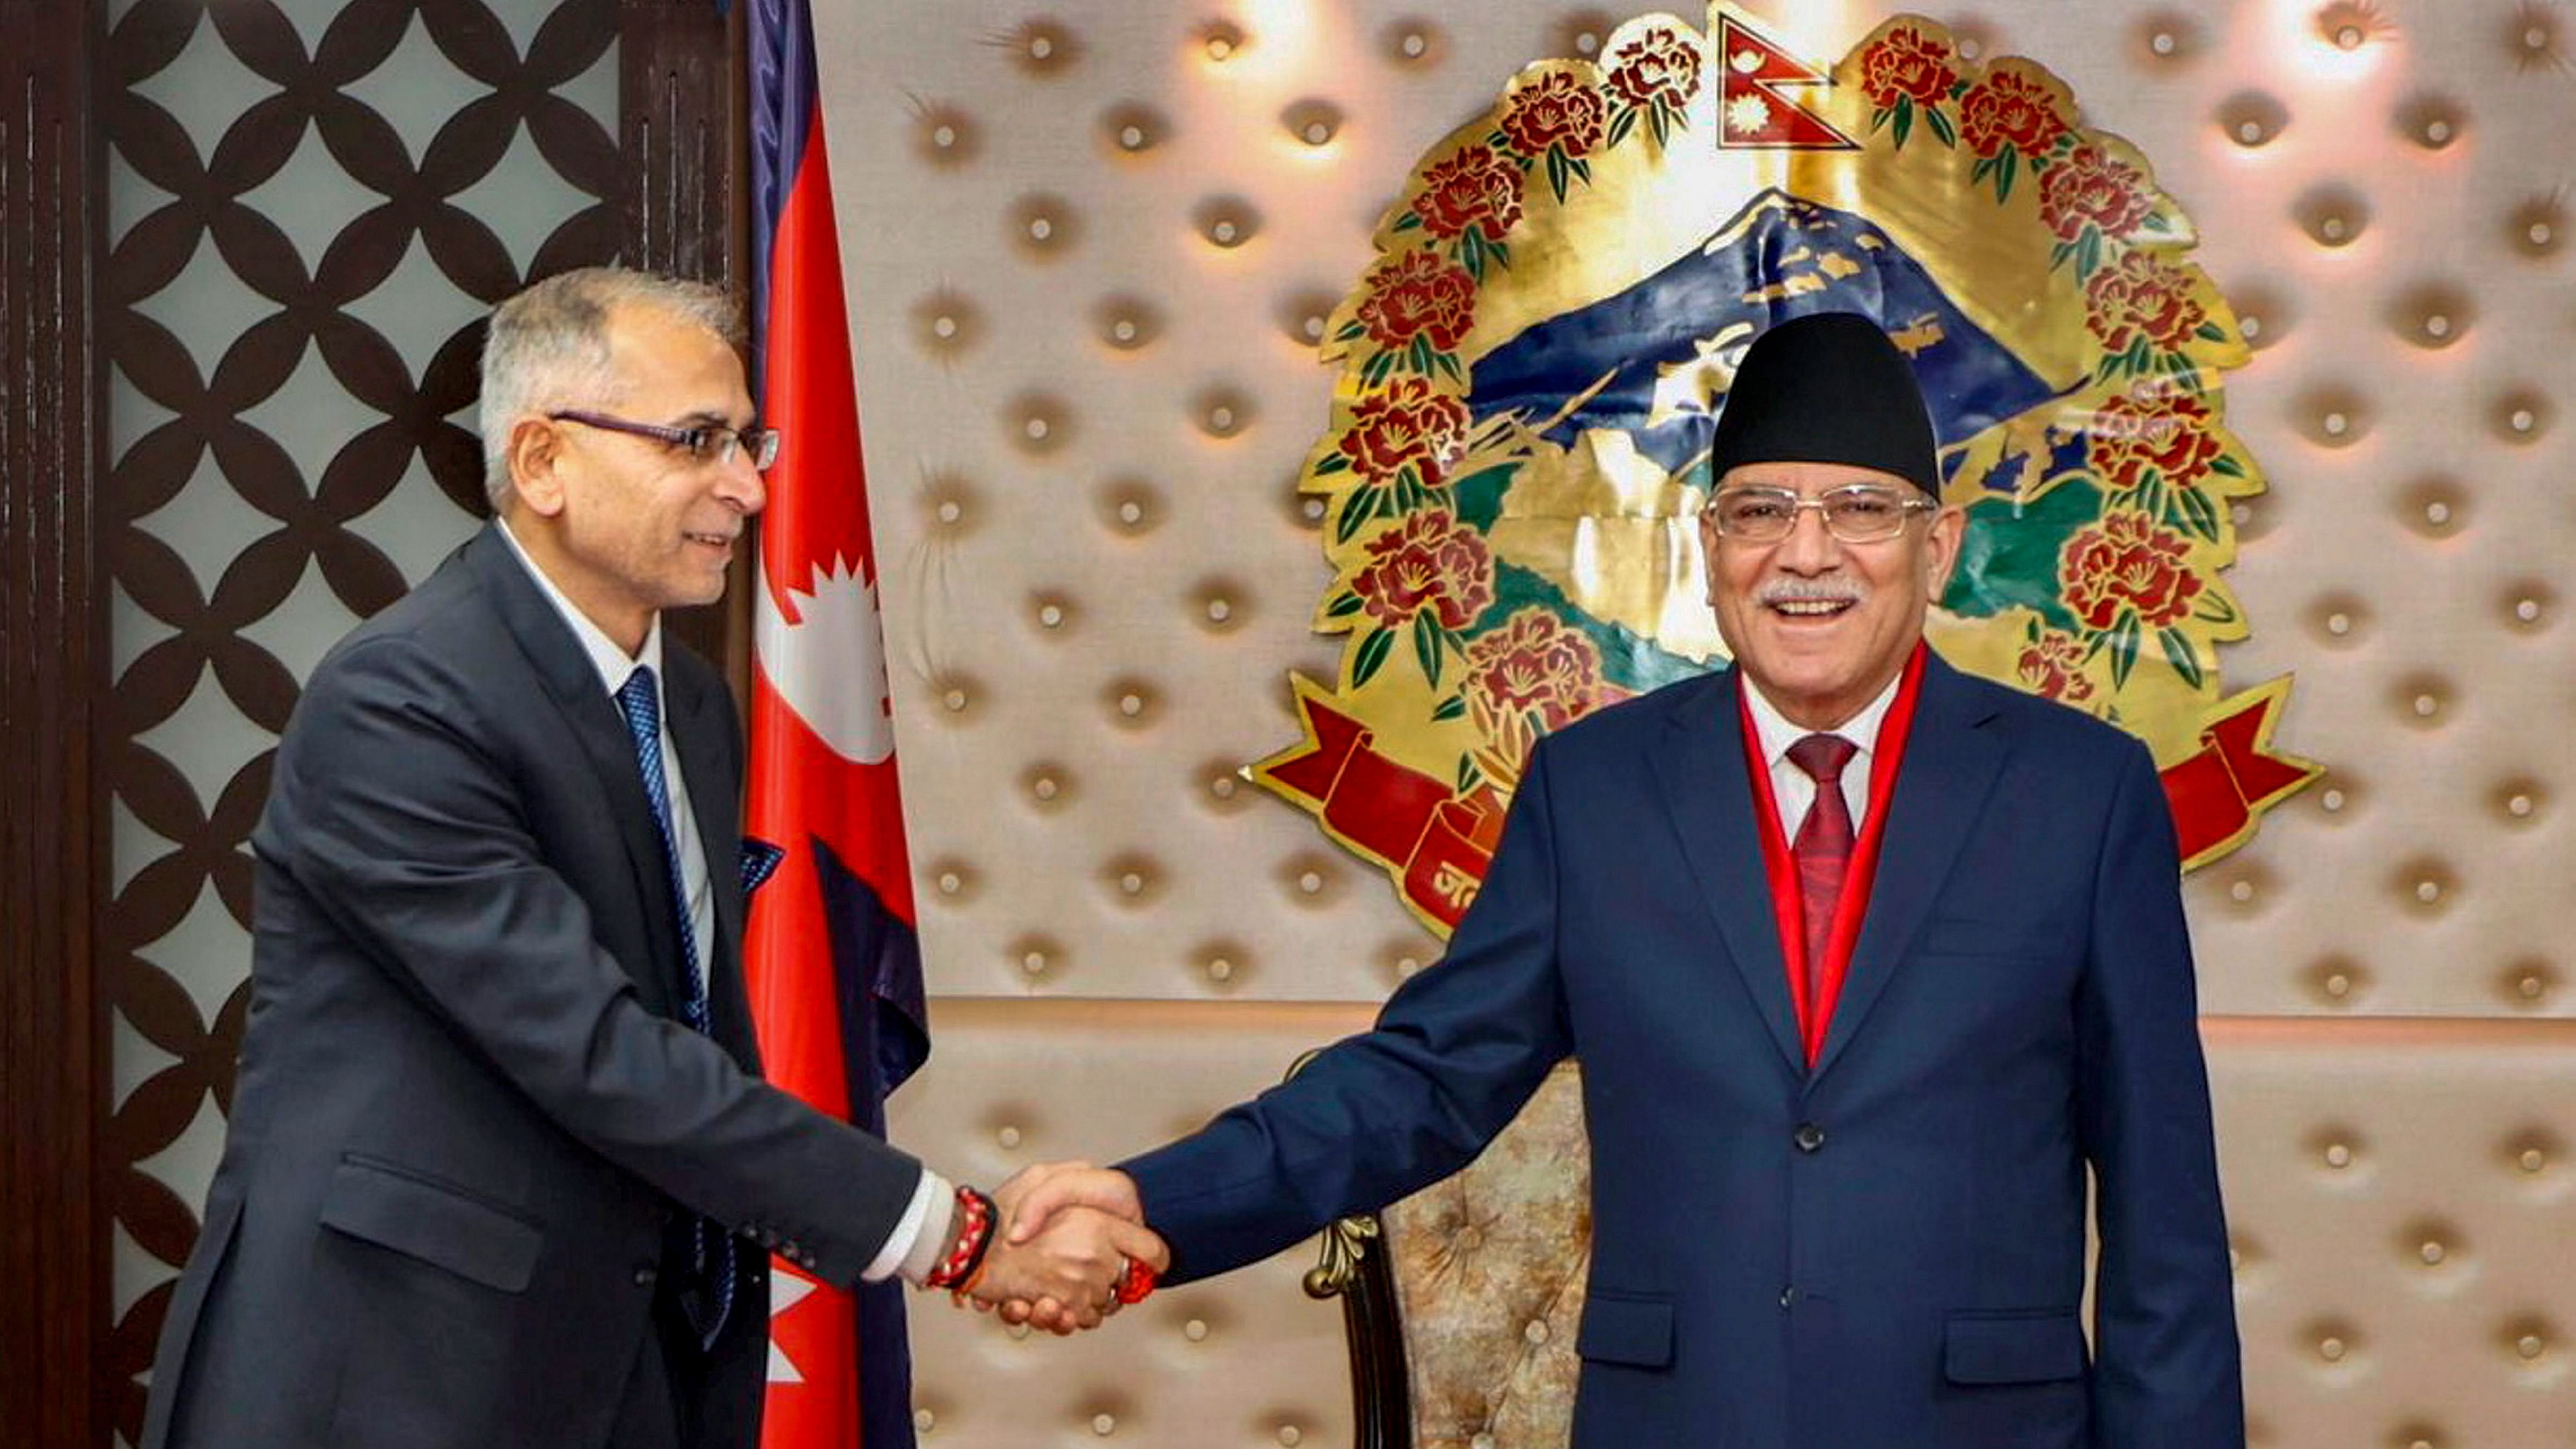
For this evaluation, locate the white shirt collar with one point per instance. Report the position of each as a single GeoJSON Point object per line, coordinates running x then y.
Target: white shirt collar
{"type": "Point", "coordinates": [612, 661]}
{"type": "Point", "coordinates": [1777, 733]}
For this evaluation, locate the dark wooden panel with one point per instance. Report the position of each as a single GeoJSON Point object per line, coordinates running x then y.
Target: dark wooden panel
{"type": "Point", "coordinates": [679, 104]}
{"type": "Point", "coordinates": [54, 1283]}
{"type": "Point", "coordinates": [681, 126]}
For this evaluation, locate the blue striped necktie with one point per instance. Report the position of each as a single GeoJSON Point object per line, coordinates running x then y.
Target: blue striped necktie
{"type": "Point", "coordinates": [711, 1254]}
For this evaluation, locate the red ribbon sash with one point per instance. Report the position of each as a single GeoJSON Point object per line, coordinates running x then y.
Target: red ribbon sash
{"type": "Point", "coordinates": [1852, 906]}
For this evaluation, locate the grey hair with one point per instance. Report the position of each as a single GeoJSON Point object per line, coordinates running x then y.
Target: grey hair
{"type": "Point", "coordinates": [548, 349]}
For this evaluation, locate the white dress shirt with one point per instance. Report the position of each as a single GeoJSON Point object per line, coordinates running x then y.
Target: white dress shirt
{"type": "Point", "coordinates": [908, 1244]}
{"type": "Point", "coordinates": [1793, 789]}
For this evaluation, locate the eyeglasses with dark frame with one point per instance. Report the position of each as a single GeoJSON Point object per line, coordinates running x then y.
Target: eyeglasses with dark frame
{"type": "Point", "coordinates": [1854, 513]}
{"type": "Point", "coordinates": [702, 444]}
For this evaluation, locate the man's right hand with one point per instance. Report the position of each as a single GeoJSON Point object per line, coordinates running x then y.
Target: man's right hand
{"type": "Point", "coordinates": [1034, 1196]}
{"type": "Point", "coordinates": [1066, 1277]}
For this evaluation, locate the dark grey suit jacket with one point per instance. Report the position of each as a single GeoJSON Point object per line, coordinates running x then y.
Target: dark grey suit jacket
{"type": "Point", "coordinates": [467, 1115]}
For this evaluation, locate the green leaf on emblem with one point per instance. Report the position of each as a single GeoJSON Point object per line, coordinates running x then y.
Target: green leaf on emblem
{"type": "Point", "coordinates": [1357, 509]}
{"type": "Point", "coordinates": [2124, 648]}
{"type": "Point", "coordinates": [1372, 655]}
{"type": "Point", "coordinates": [2180, 654]}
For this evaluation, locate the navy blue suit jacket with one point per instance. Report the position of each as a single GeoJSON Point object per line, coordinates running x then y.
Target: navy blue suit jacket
{"type": "Point", "coordinates": [1887, 1250]}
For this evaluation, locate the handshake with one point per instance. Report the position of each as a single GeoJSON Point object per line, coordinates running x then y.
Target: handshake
{"type": "Point", "coordinates": [1061, 1246]}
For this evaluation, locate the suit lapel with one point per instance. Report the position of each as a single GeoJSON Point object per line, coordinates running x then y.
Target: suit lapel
{"type": "Point", "coordinates": [1942, 788]}
{"type": "Point", "coordinates": [1700, 765]}
{"type": "Point", "coordinates": [599, 732]}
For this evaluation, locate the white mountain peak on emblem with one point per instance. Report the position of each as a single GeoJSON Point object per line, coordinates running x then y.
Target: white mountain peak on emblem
{"type": "Point", "coordinates": [828, 664]}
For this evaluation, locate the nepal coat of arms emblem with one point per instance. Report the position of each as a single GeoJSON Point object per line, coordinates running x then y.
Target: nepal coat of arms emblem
{"type": "Point", "coordinates": [1532, 369]}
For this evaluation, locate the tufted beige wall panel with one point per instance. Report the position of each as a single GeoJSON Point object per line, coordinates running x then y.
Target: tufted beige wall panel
{"type": "Point", "coordinates": [1245, 1359]}
{"type": "Point", "coordinates": [1090, 246]}
{"type": "Point", "coordinates": [2400, 1194]}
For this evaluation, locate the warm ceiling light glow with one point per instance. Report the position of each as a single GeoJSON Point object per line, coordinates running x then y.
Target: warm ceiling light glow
{"type": "Point", "coordinates": [2341, 41]}
{"type": "Point", "coordinates": [2349, 25]}
{"type": "Point", "coordinates": [1268, 39]}
{"type": "Point", "coordinates": [1288, 25]}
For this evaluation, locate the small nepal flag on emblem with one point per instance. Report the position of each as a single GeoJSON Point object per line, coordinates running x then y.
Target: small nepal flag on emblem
{"type": "Point", "coordinates": [1756, 110]}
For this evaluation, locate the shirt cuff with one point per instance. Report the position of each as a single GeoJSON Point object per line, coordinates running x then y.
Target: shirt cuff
{"type": "Point", "coordinates": [913, 1240]}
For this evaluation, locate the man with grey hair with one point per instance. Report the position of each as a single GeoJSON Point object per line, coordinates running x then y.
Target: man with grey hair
{"type": "Point", "coordinates": [501, 1170]}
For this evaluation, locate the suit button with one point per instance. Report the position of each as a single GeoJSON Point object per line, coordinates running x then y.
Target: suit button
{"type": "Point", "coordinates": [644, 1275]}
{"type": "Point", "coordinates": [1789, 1297]}
{"type": "Point", "coordinates": [1809, 1137]}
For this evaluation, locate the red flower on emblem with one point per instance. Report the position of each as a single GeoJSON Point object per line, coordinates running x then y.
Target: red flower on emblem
{"type": "Point", "coordinates": [1407, 422]}
{"type": "Point", "coordinates": [2016, 105]}
{"type": "Point", "coordinates": [2140, 296]}
{"type": "Point", "coordinates": [2053, 668]}
{"type": "Point", "coordinates": [2128, 436]}
{"type": "Point", "coordinates": [1905, 63]}
{"type": "Point", "coordinates": [1473, 188]}
{"type": "Point", "coordinates": [1660, 66]}
{"type": "Point", "coordinates": [1535, 663]}
{"type": "Point", "coordinates": [2089, 187]}
{"type": "Point", "coordinates": [2128, 563]}
{"type": "Point", "coordinates": [1426, 563]}
{"type": "Point", "coordinates": [1555, 110]}
{"type": "Point", "coordinates": [1417, 294]}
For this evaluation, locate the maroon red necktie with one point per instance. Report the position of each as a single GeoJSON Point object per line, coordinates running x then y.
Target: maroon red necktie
{"type": "Point", "coordinates": [1823, 848]}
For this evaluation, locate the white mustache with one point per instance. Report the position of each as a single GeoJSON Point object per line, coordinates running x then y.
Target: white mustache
{"type": "Point", "coordinates": [1811, 591]}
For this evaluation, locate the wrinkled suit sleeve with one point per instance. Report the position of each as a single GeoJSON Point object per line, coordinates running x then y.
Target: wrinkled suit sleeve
{"type": "Point", "coordinates": [1456, 1052]}
{"type": "Point", "coordinates": [2166, 1372]}
{"type": "Point", "coordinates": [403, 826]}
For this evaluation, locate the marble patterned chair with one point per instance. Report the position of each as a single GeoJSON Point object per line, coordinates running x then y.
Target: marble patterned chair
{"type": "Point", "coordinates": [1462, 1301]}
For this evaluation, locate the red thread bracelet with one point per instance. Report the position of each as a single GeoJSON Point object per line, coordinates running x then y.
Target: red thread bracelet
{"type": "Point", "coordinates": [966, 1258]}
{"type": "Point", "coordinates": [1136, 1282]}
